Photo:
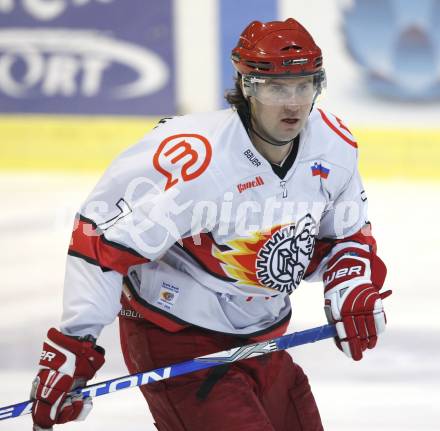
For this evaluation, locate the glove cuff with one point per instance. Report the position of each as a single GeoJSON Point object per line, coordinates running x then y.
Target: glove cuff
{"type": "Point", "coordinates": [77, 357]}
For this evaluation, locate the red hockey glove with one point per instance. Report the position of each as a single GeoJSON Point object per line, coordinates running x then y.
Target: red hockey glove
{"type": "Point", "coordinates": [66, 363]}
{"type": "Point", "coordinates": [352, 283]}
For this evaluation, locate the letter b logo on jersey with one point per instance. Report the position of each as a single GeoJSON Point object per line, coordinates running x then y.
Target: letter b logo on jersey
{"type": "Point", "coordinates": [182, 157]}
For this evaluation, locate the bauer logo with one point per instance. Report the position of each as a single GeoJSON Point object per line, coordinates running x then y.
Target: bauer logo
{"type": "Point", "coordinates": [343, 272]}
{"type": "Point", "coordinates": [252, 158]}
{"type": "Point", "coordinates": [80, 63]}
{"type": "Point", "coordinates": [47, 356]}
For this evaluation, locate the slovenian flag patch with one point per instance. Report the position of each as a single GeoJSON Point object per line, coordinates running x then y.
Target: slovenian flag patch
{"type": "Point", "coordinates": [320, 169]}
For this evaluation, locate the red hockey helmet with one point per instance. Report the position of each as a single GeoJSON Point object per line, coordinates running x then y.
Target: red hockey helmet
{"type": "Point", "coordinates": [277, 48]}
{"type": "Point", "coordinates": [279, 63]}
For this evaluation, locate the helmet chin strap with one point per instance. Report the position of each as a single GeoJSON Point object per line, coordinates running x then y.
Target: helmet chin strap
{"type": "Point", "coordinates": [273, 142]}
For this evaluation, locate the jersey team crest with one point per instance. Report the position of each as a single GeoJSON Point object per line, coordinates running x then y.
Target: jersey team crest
{"type": "Point", "coordinates": [276, 260]}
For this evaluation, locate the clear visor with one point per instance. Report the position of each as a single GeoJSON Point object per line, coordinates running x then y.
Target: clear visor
{"type": "Point", "coordinates": [290, 90]}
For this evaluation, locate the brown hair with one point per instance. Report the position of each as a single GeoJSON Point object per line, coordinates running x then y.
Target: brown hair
{"type": "Point", "coordinates": [235, 97]}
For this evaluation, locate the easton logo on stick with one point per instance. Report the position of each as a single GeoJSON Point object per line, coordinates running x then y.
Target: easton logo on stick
{"type": "Point", "coordinates": [126, 382]}
{"type": "Point", "coordinates": [280, 343]}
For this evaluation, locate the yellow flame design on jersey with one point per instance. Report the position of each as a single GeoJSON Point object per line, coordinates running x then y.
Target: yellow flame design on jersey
{"type": "Point", "coordinates": [240, 262]}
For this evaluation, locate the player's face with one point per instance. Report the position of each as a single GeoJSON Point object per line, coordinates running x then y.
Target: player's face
{"type": "Point", "coordinates": [281, 122]}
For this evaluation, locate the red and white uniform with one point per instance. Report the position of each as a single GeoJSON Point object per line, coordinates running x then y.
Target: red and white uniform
{"type": "Point", "coordinates": [205, 233]}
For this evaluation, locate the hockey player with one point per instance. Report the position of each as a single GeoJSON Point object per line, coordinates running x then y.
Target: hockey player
{"type": "Point", "coordinates": [202, 231]}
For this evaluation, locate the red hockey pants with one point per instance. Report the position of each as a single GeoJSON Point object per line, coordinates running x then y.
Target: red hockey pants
{"type": "Point", "coordinates": [266, 393]}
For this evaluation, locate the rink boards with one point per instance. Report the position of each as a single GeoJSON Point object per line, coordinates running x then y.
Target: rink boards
{"type": "Point", "coordinates": [88, 144]}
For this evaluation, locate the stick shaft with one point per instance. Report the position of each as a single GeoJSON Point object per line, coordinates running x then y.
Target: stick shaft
{"type": "Point", "coordinates": [197, 364]}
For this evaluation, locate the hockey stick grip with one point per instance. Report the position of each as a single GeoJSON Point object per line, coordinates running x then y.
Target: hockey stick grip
{"type": "Point", "coordinates": [228, 356]}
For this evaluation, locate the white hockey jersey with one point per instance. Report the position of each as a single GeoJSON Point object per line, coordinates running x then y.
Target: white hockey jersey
{"type": "Point", "coordinates": [199, 229]}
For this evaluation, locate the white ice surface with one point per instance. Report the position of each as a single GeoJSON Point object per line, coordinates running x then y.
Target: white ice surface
{"type": "Point", "coordinates": [395, 387]}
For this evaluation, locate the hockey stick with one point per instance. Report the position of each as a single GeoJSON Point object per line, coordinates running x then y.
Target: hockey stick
{"type": "Point", "coordinates": [236, 354]}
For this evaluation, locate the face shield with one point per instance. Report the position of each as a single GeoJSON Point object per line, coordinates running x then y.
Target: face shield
{"type": "Point", "coordinates": [284, 90]}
